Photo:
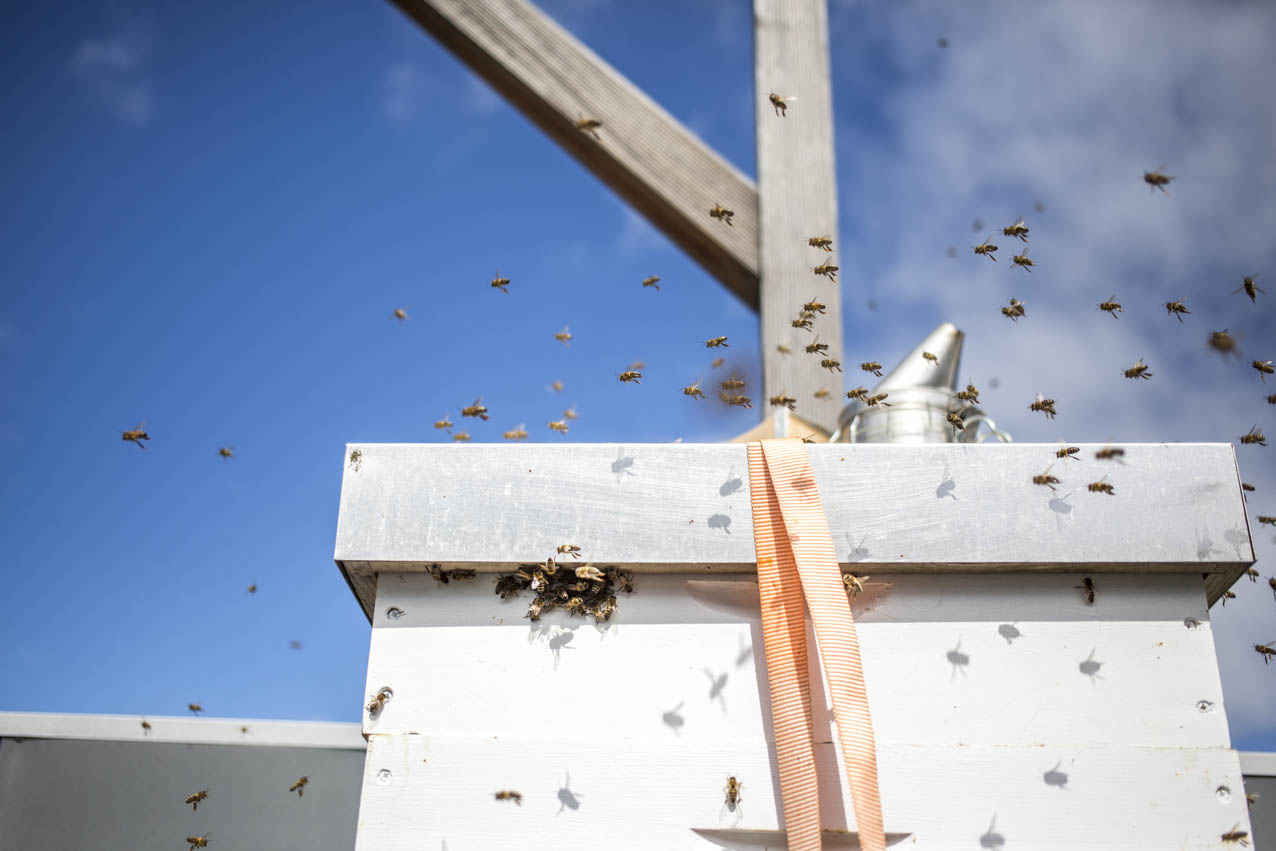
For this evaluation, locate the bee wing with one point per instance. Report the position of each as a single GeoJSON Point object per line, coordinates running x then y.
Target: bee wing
{"type": "Point", "coordinates": [1018, 222]}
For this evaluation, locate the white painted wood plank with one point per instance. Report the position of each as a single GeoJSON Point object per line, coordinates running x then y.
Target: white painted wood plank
{"type": "Point", "coordinates": [425, 792]}
{"type": "Point", "coordinates": [977, 660]}
{"type": "Point", "coordinates": [797, 199]}
{"type": "Point", "coordinates": [660, 167]}
{"type": "Point", "coordinates": [185, 729]}
{"type": "Point", "coordinates": [685, 507]}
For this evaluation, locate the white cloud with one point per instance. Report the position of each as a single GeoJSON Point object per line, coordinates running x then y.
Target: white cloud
{"type": "Point", "coordinates": [115, 69]}
{"type": "Point", "coordinates": [405, 89]}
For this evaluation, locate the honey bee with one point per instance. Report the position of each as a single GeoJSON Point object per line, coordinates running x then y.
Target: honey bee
{"type": "Point", "coordinates": [653, 281]}
{"type": "Point", "coordinates": [803, 321]}
{"type": "Point", "coordinates": [136, 435]}
{"type": "Point", "coordinates": [1046, 479]}
{"type": "Point", "coordinates": [781, 348]}
{"type": "Point", "coordinates": [1139, 370]}
{"type": "Point", "coordinates": [1109, 453]}
{"type": "Point", "coordinates": [570, 413]}
{"type": "Point", "coordinates": [717, 362]}
{"type": "Point", "coordinates": [1222, 342]}
{"type": "Point", "coordinates": [1017, 229]}
{"type": "Point", "coordinates": [821, 242]}
{"type": "Point", "coordinates": [356, 459]}
{"type": "Point", "coordinates": [564, 336]}
{"type": "Point", "coordinates": [1271, 583]}
{"type": "Point", "coordinates": [1250, 288]}
{"type": "Point", "coordinates": [930, 357]}
{"type": "Point", "coordinates": [822, 393]}
{"type": "Point", "coordinates": [588, 125]}
{"type": "Point", "coordinates": [739, 401]}
{"type": "Point", "coordinates": [146, 727]}
{"type": "Point", "coordinates": [199, 841]}
{"type": "Point", "coordinates": [1253, 574]}
{"type": "Point", "coordinates": [478, 409]}
{"type": "Point", "coordinates": [299, 786]}
{"type": "Point", "coordinates": [195, 708]}
{"type": "Point", "coordinates": [631, 375]}
{"type": "Point", "coordinates": [879, 399]}
{"type": "Point", "coordinates": [376, 703]}
{"type": "Point", "coordinates": [1101, 486]}
{"type": "Point", "coordinates": [970, 394]}
{"type": "Point", "coordinates": [1264, 520]}
{"type": "Point", "coordinates": [858, 393]}
{"type": "Point", "coordinates": [1271, 400]}
{"type": "Point", "coordinates": [400, 313]}
{"type": "Point", "coordinates": [1177, 309]}
{"type": "Point", "coordinates": [873, 367]}
{"type": "Point", "coordinates": [1046, 406]}
{"type": "Point", "coordinates": [604, 610]}
{"type": "Point", "coordinates": [1016, 309]}
{"type": "Point", "coordinates": [986, 248]}
{"type": "Point", "coordinates": [590, 573]}
{"type": "Point", "coordinates": [226, 452]}
{"type": "Point", "coordinates": [956, 422]}
{"type": "Point", "coordinates": [1228, 595]}
{"type": "Point", "coordinates": [567, 549]}
{"type": "Point", "coordinates": [1253, 436]}
{"type": "Point", "coordinates": [509, 795]}
{"type": "Point", "coordinates": [1087, 590]}
{"type": "Point", "coordinates": [1111, 306]}
{"type": "Point", "coordinates": [721, 213]}
{"type": "Point", "coordinates": [732, 382]}
{"type": "Point", "coordinates": [783, 401]}
{"type": "Point", "coordinates": [1068, 452]}
{"type": "Point", "coordinates": [1267, 651]}
{"type": "Point", "coordinates": [445, 423]}
{"type": "Point", "coordinates": [461, 437]}
{"type": "Point", "coordinates": [194, 800]}
{"type": "Point", "coordinates": [1157, 179]}
{"type": "Point", "coordinates": [716, 343]}
{"type": "Point", "coordinates": [500, 283]}
{"type": "Point", "coordinates": [732, 791]}
{"type": "Point", "coordinates": [781, 104]}
{"type": "Point", "coordinates": [694, 391]}
{"type": "Point", "coordinates": [813, 306]}
{"type": "Point", "coordinates": [519, 432]}
{"type": "Point", "coordinates": [828, 270]}
{"type": "Point", "coordinates": [831, 364]}
{"type": "Point", "coordinates": [1023, 260]}
{"type": "Point", "coordinates": [559, 426]}
{"type": "Point", "coordinates": [1236, 835]}
{"type": "Point", "coordinates": [854, 584]}
{"type": "Point", "coordinates": [556, 386]}
{"type": "Point", "coordinates": [1264, 368]}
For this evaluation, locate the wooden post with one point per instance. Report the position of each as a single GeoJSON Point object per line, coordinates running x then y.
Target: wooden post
{"type": "Point", "coordinates": [797, 199]}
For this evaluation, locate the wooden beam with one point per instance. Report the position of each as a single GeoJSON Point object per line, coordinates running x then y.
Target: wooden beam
{"type": "Point", "coordinates": [891, 509]}
{"type": "Point", "coordinates": [647, 158]}
{"type": "Point", "coordinates": [797, 199]}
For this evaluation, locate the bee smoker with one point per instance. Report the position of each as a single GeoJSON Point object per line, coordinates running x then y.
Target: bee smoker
{"type": "Point", "coordinates": [922, 395]}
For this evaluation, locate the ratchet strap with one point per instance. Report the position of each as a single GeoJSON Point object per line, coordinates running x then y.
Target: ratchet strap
{"type": "Point", "coordinates": [797, 564]}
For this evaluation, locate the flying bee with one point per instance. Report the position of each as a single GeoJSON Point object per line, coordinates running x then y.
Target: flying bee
{"type": "Point", "coordinates": [590, 574]}
{"type": "Point", "coordinates": [822, 393]}
{"type": "Point", "coordinates": [1271, 400]}
{"type": "Point", "coordinates": [783, 401]}
{"type": "Point", "coordinates": [739, 401]}
{"type": "Point", "coordinates": [831, 364]}
{"type": "Point", "coordinates": [781, 104]}
{"type": "Point", "coordinates": [1068, 452]}
{"type": "Point", "coordinates": [570, 413]}
{"type": "Point", "coordinates": [519, 432]}
{"type": "Point", "coordinates": [1023, 260]}
{"type": "Point", "coordinates": [1109, 453]}
{"type": "Point", "coordinates": [1018, 307]}
{"type": "Point", "coordinates": [821, 242]}
{"type": "Point", "coordinates": [1264, 520]}
{"type": "Point", "coordinates": [136, 435]}
{"type": "Point", "coordinates": [1157, 179]}
{"type": "Point", "coordinates": [732, 791]}
{"type": "Point", "coordinates": [1046, 406]}
{"type": "Point", "coordinates": [827, 269]}
{"type": "Point", "coordinates": [1267, 651]}
{"type": "Point", "coordinates": [226, 453]}
{"type": "Point", "coordinates": [1253, 436]}
{"type": "Point", "coordinates": [195, 708]}
{"type": "Point", "coordinates": [588, 125]}
{"type": "Point", "coordinates": [1264, 368]}
{"type": "Point", "coordinates": [1222, 342]}
{"type": "Point", "coordinates": [1139, 370]}
{"type": "Point", "coordinates": [1111, 306]}
{"type": "Point", "coordinates": [1101, 486]}
{"type": "Point", "coordinates": [500, 283]}
{"type": "Point", "coordinates": [509, 795]}
{"type": "Point", "coordinates": [400, 313]}
{"type": "Point", "coordinates": [986, 248]}
{"type": "Point", "coordinates": [873, 367]}
{"type": "Point", "coordinates": [721, 213]}
{"type": "Point", "coordinates": [564, 336]}
{"type": "Point", "coordinates": [559, 426]}
{"type": "Point", "coordinates": [956, 422]}
{"type": "Point", "coordinates": [803, 321]}
{"type": "Point", "coordinates": [1236, 835]}
{"type": "Point", "coordinates": [565, 549]}
{"type": "Point", "coordinates": [300, 786]}
{"type": "Point", "coordinates": [930, 357]}
{"type": "Point", "coordinates": [879, 399]}
{"type": "Point", "coordinates": [653, 281]}
{"type": "Point", "coordinates": [556, 386]}
{"type": "Point", "coordinates": [199, 841]}
{"type": "Point", "coordinates": [716, 343]}
{"type": "Point", "coordinates": [461, 437]}
{"type": "Point", "coordinates": [146, 727]}
{"type": "Point", "coordinates": [813, 306]}
{"type": "Point", "coordinates": [194, 800]}
{"type": "Point", "coordinates": [1177, 309]}
{"type": "Point", "coordinates": [631, 375]}
{"type": "Point", "coordinates": [1011, 313]}
{"type": "Point", "coordinates": [781, 348]}
{"type": "Point", "coordinates": [1017, 229]}
{"type": "Point", "coordinates": [476, 410]}
{"type": "Point", "coordinates": [1250, 288]}
{"type": "Point", "coordinates": [694, 391]}
{"type": "Point", "coordinates": [1252, 574]}
{"type": "Point", "coordinates": [1087, 590]}
{"type": "Point", "coordinates": [732, 382]}
{"type": "Point", "coordinates": [854, 584]}
{"type": "Point", "coordinates": [445, 423]}
{"type": "Point", "coordinates": [1228, 595]}
{"type": "Point", "coordinates": [970, 394]}
{"type": "Point", "coordinates": [858, 393]}
{"type": "Point", "coordinates": [376, 703]}
{"type": "Point", "coordinates": [1046, 479]}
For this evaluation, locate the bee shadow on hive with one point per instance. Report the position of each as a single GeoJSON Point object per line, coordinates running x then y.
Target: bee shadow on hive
{"type": "Point", "coordinates": [733, 484]}
{"type": "Point", "coordinates": [720, 521]}
{"type": "Point", "coordinates": [621, 466]}
{"type": "Point", "coordinates": [991, 838]}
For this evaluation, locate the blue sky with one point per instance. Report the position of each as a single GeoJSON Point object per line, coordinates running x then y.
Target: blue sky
{"type": "Point", "coordinates": [210, 213]}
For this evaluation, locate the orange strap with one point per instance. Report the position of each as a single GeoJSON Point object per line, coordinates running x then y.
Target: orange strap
{"type": "Point", "coordinates": [796, 560]}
